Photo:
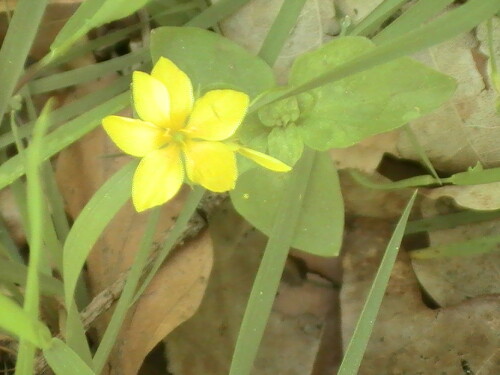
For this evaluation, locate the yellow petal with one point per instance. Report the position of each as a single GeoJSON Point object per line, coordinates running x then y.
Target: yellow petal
{"type": "Point", "coordinates": [217, 115]}
{"type": "Point", "coordinates": [158, 178]}
{"type": "Point", "coordinates": [179, 88]}
{"type": "Point", "coordinates": [151, 99]}
{"type": "Point", "coordinates": [211, 164]}
{"type": "Point", "coordinates": [264, 160]}
{"type": "Point", "coordinates": [134, 137]}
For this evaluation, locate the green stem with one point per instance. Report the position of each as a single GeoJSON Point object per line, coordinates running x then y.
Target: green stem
{"type": "Point", "coordinates": [268, 277]}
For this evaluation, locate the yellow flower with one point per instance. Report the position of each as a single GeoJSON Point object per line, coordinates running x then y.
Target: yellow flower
{"type": "Point", "coordinates": [174, 127]}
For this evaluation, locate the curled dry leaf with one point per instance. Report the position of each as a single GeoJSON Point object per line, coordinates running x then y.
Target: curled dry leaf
{"type": "Point", "coordinates": [452, 280]}
{"type": "Point", "coordinates": [177, 289]}
{"type": "Point", "coordinates": [251, 23]}
{"type": "Point", "coordinates": [465, 131]}
{"type": "Point", "coordinates": [409, 337]}
{"type": "Point", "coordinates": [205, 343]}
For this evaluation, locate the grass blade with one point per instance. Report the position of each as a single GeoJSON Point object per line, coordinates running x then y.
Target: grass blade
{"type": "Point", "coordinates": [377, 17]}
{"type": "Point", "coordinates": [109, 338]}
{"type": "Point", "coordinates": [64, 136]}
{"type": "Point", "coordinates": [16, 45]}
{"type": "Point", "coordinates": [65, 361]}
{"type": "Point", "coordinates": [14, 272]}
{"type": "Point", "coordinates": [180, 225]}
{"type": "Point", "coordinates": [470, 247]}
{"type": "Point", "coordinates": [216, 12]}
{"type": "Point", "coordinates": [35, 206]}
{"type": "Point", "coordinates": [72, 109]}
{"type": "Point", "coordinates": [269, 274]}
{"type": "Point", "coordinates": [90, 224]}
{"type": "Point", "coordinates": [17, 321]}
{"type": "Point", "coordinates": [454, 22]}
{"type": "Point", "coordinates": [87, 73]}
{"type": "Point", "coordinates": [359, 341]}
{"type": "Point", "coordinates": [450, 221]}
{"type": "Point", "coordinates": [415, 16]}
{"type": "Point", "coordinates": [280, 30]}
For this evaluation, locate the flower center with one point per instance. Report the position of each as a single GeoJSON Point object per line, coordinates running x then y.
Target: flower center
{"type": "Point", "coordinates": [179, 137]}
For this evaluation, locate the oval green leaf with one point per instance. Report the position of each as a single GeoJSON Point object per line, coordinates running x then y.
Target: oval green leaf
{"type": "Point", "coordinates": [367, 103]}
{"type": "Point", "coordinates": [211, 61]}
{"type": "Point", "coordinates": [321, 222]}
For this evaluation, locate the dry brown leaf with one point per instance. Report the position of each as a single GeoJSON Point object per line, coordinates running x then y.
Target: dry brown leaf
{"type": "Point", "coordinates": [362, 201]}
{"type": "Point", "coordinates": [367, 154]}
{"type": "Point", "coordinates": [176, 290]}
{"type": "Point", "coordinates": [409, 337]}
{"type": "Point", "coordinates": [173, 297]}
{"type": "Point", "coordinates": [455, 279]}
{"type": "Point", "coordinates": [251, 23]}
{"type": "Point", "coordinates": [466, 130]}
{"type": "Point", "coordinates": [204, 344]}
{"type": "Point", "coordinates": [54, 18]}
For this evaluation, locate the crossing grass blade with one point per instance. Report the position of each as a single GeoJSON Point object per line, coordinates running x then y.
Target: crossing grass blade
{"type": "Point", "coordinates": [377, 17]}
{"type": "Point", "coordinates": [215, 12]}
{"type": "Point", "coordinates": [64, 136]}
{"type": "Point", "coordinates": [449, 25]}
{"type": "Point", "coordinates": [63, 360]}
{"type": "Point", "coordinates": [87, 73]}
{"type": "Point", "coordinates": [474, 246]}
{"type": "Point", "coordinates": [359, 341]}
{"type": "Point", "coordinates": [15, 272]}
{"type": "Point", "coordinates": [71, 110]}
{"type": "Point", "coordinates": [450, 221]}
{"type": "Point", "coordinates": [418, 14]}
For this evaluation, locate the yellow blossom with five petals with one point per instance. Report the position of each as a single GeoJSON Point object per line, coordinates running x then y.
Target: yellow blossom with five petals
{"type": "Point", "coordinates": [176, 135]}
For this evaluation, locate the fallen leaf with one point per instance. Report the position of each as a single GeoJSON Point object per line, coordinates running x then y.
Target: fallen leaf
{"type": "Point", "coordinates": [363, 201]}
{"type": "Point", "coordinates": [205, 343]}
{"type": "Point", "coordinates": [409, 337]}
{"type": "Point", "coordinates": [465, 131]}
{"type": "Point", "coordinates": [251, 23]}
{"type": "Point", "coordinates": [452, 280]}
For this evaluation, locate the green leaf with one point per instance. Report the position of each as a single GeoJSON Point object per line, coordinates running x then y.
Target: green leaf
{"type": "Point", "coordinates": [319, 231]}
{"type": "Point", "coordinates": [63, 360]}
{"type": "Point", "coordinates": [357, 345]}
{"type": "Point", "coordinates": [370, 102]}
{"type": "Point", "coordinates": [17, 321]}
{"type": "Point", "coordinates": [285, 144]}
{"type": "Point", "coordinates": [90, 14]}
{"type": "Point", "coordinates": [211, 61]}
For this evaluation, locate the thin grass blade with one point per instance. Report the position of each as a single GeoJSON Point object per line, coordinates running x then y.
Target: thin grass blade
{"type": "Point", "coordinates": [359, 341]}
